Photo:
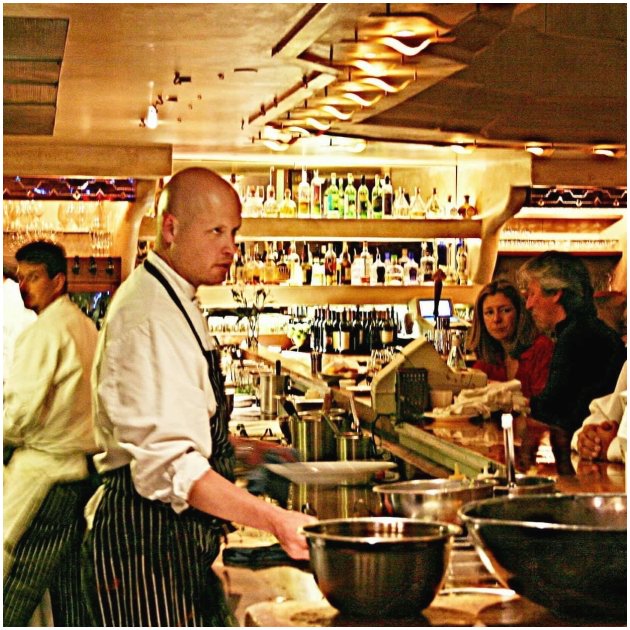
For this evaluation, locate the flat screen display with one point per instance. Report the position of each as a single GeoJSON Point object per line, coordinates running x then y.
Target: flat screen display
{"type": "Point", "coordinates": [426, 307]}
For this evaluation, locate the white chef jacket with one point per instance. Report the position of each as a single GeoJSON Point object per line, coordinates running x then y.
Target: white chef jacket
{"type": "Point", "coordinates": [47, 413]}
{"type": "Point", "coordinates": [611, 408]}
{"type": "Point", "coordinates": [153, 397]}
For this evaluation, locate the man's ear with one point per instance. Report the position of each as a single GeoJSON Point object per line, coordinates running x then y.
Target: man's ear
{"type": "Point", "coordinates": [557, 295]}
{"type": "Point", "coordinates": [59, 282]}
{"type": "Point", "coordinates": [169, 227]}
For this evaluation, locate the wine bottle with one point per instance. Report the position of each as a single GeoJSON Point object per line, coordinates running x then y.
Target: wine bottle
{"type": "Point", "coordinates": [350, 199]}
{"type": "Point", "coordinates": [363, 195]}
{"type": "Point", "coordinates": [387, 194]}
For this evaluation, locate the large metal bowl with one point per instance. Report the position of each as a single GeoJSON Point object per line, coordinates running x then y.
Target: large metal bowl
{"type": "Point", "coordinates": [385, 567]}
{"type": "Point", "coordinates": [432, 499]}
{"type": "Point", "coordinates": [564, 552]}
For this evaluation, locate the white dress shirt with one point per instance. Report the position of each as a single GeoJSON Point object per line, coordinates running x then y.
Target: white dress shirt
{"type": "Point", "coordinates": [47, 413]}
{"type": "Point", "coordinates": [609, 408]}
{"type": "Point", "coordinates": [153, 397]}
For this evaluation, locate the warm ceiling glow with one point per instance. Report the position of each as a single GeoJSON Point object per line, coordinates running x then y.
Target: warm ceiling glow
{"type": "Point", "coordinates": [275, 146]}
{"type": "Point", "coordinates": [318, 124]}
{"type": "Point", "coordinates": [383, 85]}
{"type": "Point", "coordinates": [331, 109]}
{"type": "Point", "coordinates": [151, 121]}
{"type": "Point", "coordinates": [360, 100]}
{"type": "Point", "coordinates": [535, 150]}
{"type": "Point", "coordinates": [370, 68]}
{"type": "Point", "coordinates": [605, 151]}
{"type": "Point", "coordinates": [298, 129]}
{"type": "Point", "coordinates": [402, 48]}
{"type": "Point", "coordinates": [462, 149]}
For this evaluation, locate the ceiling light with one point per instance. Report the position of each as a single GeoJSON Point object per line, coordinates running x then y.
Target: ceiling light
{"type": "Point", "coordinates": [535, 150]}
{"type": "Point", "coordinates": [274, 145]}
{"type": "Point", "coordinates": [383, 85]}
{"type": "Point", "coordinates": [360, 100]}
{"type": "Point", "coordinates": [404, 34]}
{"type": "Point", "coordinates": [402, 48]}
{"type": "Point", "coordinates": [331, 109]}
{"type": "Point", "coordinates": [318, 124]}
{"type": "Point", "coordinates": [151, 120]}
{"type": "Point", "coordinates": [462, 149]}
{"type": "Point", "coordinates": [298, 129]}
{"type": "Point", "coordinates": [370, 68]}
{"type": "Point", "coordinates": [271, 133]}
{"type": "Point", "coordinates": [540, 150]}
{"type": "Point", "coordinates": [605, 151]}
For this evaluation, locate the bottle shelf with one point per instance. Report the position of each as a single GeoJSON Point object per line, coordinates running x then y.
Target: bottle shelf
{"type": "Point", "coordinates": [284, 295]}
{"type": "Point", "coordinates": [373, 230]}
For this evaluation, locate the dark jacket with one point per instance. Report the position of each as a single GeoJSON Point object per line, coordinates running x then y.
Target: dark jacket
{"type": "Point", "coordinates": [585, 365]}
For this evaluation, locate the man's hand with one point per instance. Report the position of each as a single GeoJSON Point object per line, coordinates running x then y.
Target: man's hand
{"type": "Point", "coordinates": [256, 452]}
{"type": "Point", "coordinates": [594, 439]}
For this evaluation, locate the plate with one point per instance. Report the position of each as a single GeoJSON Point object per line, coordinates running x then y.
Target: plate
{"type": "Point", "coordinates": [243, 400]}
{"type": "Point", "coordinates": [330, 473]}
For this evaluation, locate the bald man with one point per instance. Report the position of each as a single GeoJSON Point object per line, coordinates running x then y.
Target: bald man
{"type": "Point", "coordinates": [162, 423]}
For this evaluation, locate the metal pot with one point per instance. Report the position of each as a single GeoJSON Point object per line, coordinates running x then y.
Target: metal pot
{"type": "Point", "coordinates": [272, 386]}
{"type": "Point", "coordinates": [353, 446]}
{"type": "Point", "coordinates": [312, 437]}
{"type": "Point", "coordinates": [432, 499]}
{"type": "Point", "coordinates": [379, 567]}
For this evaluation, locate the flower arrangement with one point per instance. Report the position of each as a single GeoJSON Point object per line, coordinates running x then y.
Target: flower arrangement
{"type": "Point", "coordinates": [249, 308]}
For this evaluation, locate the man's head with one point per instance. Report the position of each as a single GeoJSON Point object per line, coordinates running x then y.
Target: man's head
{"type": "Point", "coordinates": [199, 214]}
{"type": "Point", "coordinates": [556, 285]}
{"type": "Point", "coordinates": [42, 273]}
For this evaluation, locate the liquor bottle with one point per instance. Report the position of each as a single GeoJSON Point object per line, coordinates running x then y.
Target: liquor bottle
{"type": "Point", "coordinates": [462, 264]}
{"type": "Point", "coordinates": [427, 263]}
{"type": "Point", "coordinates": [336, 332]}
{"type": "Point", "coordinates": [451, 208]}
{"type": "Point", "coordinates": [283, 270]}
{"type": "Point", "coordinates": [288, 208]}
{"type": "Point", "coordinates": [270, 270]}
{"type": "Point", "coordinates": [248, 202]}
{"type": "Point", "coordinates": [318, 278]}
{"type": "Point", "coordinates": [356, 271]}
{"type": "Point", "coordinates": [307, 265]}
{"type": "Point", "coordinates": [466, 211]}
{"type": "Point", "coordinates": [258, 202]}
{"type": "Point", "coordinates": [329, 325]}
{"type": "Point", "coordinates": [316, 196]}
{"type": "Point", "coordinates": [442, 254]}
{"type": "Point", "coordinates": [377, 273]}
{"type": "Point", "coordinates": [388, 329]}
{"type": "Point", "coordinates": [304, 197]}
{"type": "Point", "coordinates": [374, 334]}
{"type": "Point", "coordinates": [417, 209]}
{"type": "Point", "coordinates": [377, 199]}
{"type": "Point", "coordinates": [388, 201]}
{"type": "Point", "coordinates": [345, 333]}
{"type": "Point", "coordinates": [345, 266]}
{"type": "Point", "coordinates": [295, 266]}
{"type": "Point", "coordinates": [433, 208]}
{"type": "Point", "coordinates": [350, 199]}
{"type": "Point", "coordinates": [314, 333]}
{"type": "Point", "coordinates": [363, 195]}
{"type": "Point", "coordinates": [359, 333]}
{"type": "Point", "coordinates": [366, 258]}
{"type": "Point", "coordinates": [330, 266]}
{"type": "Point", "coordinates": [388, 263]}
{"type": "Point", "coordinates": [331, 201]}
{"type": "Point", "coordinates": [402, 260]}
{"type": "Point", "coordinates": [401, 205]}
{"type": "Point", "coordinates": [410, 271]}
{"type": "Point", "coordinates": [270, 207]}
{"type": "Point", "coordinates": [394, 273]}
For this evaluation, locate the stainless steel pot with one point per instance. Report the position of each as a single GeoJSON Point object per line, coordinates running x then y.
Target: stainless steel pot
{"type": "Point", "coordinates": [272, 386]}
{"type": "Point", "coordinates": [352, 446]}
{"type": "Point", "coordinates": [312, 437]}
{"type": "Point", "coordinates": [432, 499]}
{"type": "Point", "coordinates": [379, 567]}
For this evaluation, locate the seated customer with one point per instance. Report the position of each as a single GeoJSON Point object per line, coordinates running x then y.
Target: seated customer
{"type": "Point", "coordinates": [506, 340]}
{"type": "Point", "coordinates": [598, 437]}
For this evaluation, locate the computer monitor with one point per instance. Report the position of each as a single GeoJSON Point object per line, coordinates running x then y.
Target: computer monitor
{"type": "Point", "coordinates": [427, 308]}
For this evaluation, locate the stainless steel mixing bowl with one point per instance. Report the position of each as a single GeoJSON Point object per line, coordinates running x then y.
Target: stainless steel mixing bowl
{"type": "Point", "coordinates": [432, 499]}
{"type": "Point", "coordinates": [564, 552]}
{"type": "Point", "coordinates": [379, 567]}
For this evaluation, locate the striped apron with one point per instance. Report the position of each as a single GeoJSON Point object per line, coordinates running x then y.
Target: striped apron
{"type": "Point", "coordinates": [145, 565]}
{"type": "Point", "coordinates": [47, 556]}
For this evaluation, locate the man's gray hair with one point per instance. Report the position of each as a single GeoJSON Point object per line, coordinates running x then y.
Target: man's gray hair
{"type": "Point", "coordinates": [561, 271]}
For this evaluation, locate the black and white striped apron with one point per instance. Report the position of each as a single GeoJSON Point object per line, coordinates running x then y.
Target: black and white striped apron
{"type": "Point", "coordinates": [47, 556]}
{"type": "Point", "coordinates": [145, 565]}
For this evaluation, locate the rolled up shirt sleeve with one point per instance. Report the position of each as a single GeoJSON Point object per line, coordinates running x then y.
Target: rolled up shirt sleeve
{"type": "Point", "coordinates": [153, 403]}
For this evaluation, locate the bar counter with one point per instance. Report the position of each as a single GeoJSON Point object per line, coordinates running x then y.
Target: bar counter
{"type": "Point", "coordinates": [288, 595]}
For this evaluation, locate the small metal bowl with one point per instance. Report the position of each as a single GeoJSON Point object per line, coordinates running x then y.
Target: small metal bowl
{"type": "Point", "coordinates": [432, 499]}
{"type": "Point", "coordinates": [567, 553]}
{"type": "Point", "coordinates": [380, 567]}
